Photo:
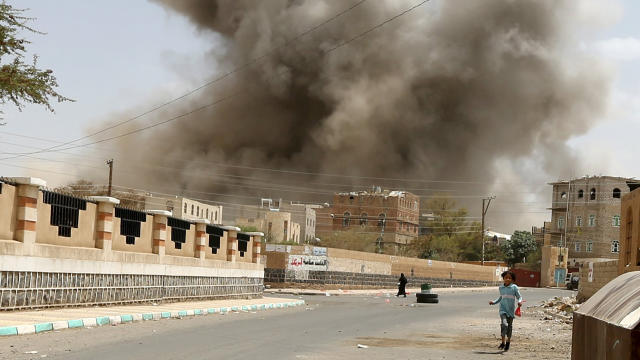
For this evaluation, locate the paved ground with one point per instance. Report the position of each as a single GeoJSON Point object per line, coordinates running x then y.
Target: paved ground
{"type": "Point", "coordinates": [327, 328]}
{"type": "Point", "coordinates": [373, 291]}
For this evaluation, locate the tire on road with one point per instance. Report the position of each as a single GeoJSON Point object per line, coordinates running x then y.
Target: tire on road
{"type": "Point", "coordinates": [427, 298]}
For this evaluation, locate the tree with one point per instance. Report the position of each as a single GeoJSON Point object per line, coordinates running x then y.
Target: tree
{"type": "Point", "coordinates": [21, 82]}
{"type": "Point", "coordinates": [521, 244]}
{"type": "Point", "coordinates": [450, 236]}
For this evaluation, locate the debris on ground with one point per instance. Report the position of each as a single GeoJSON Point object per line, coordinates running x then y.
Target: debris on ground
{"type": "Point", "coordinates": [558, 309]}
{"type": "Point", "coordinates": [360, 346]}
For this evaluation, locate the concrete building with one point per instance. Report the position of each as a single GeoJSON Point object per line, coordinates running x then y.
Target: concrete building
{"type": "Point", "coordinates": [185, 208]}
{"type": "Point", "coordinates": [392, 214]}
{"type": "Point", "coordinates": [305, 215]}
{"type": "Point", "coordinates": [278, 226]}
{"type": "Point", "coordinates": [629, 234]}
{"type": "Point", "coordinates": [585, 217]}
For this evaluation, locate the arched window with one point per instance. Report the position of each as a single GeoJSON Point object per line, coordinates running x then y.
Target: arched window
{"type": "Point", "coordinates": [616, 193]}
{"type": "Point", "coordinates": [207, 214]}
{"type": "Point", "coordinates": [185, 208]}
{"type": "Point", "coordinates": [580, 194]}
{"type": "Point", "coordinates": [192, 207]}
{"type": "Point", "coordinates": [346, 220]}
{"type": "Point", "coordinates": [198, 211]}
{"type": "Point", "coordinates": [382, 220]}
{"type": "Point", "coordinates": [592, 194]}
{"type": "Point", "coordinates": [363, 219]}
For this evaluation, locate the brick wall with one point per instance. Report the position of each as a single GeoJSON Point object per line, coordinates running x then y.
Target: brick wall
{"type": "Point", "coordinates": [603, 272]}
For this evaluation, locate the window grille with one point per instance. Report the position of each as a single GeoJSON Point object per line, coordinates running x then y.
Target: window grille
{"type": "Point", "coordinates": [215, 233]}
{"type": "Point", "coordinates": [243, 242]}
{"type": "Point", "coordinates": [178, 231]}
{"type": "Point", "coordinates": [65, 211]}
{"type": "Point", "coordinates": [130, 223]}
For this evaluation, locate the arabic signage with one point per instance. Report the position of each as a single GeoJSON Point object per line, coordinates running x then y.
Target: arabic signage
{"type": "Point", "coordinates": [307, 262]}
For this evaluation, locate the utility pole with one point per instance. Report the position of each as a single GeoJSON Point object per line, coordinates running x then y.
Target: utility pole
{"type": "Point", "coordinates": [110, 163]}
{"type": "Point", "coordinates": [485, 207]}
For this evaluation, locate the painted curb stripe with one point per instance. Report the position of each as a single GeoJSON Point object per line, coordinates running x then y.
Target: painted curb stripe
{"type": "Point", "coordinates": [75, 324]}
{"type": "Point", "coordinates": [9, 330]}
{"type": "Point", "coordinates": [106, 320]}
{"type": "Point", "coordinates": [44, 327]}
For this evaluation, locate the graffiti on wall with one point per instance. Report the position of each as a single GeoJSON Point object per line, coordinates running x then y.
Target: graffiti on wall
{"type": "Point", "coordinates": [307, 262]}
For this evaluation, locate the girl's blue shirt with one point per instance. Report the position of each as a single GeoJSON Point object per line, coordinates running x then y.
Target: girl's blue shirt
{"type": "Point", "coordinates": [507, 299]}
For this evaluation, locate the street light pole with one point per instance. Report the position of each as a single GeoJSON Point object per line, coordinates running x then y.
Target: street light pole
{"type": "Point", "coordinates": [485, 207]}
{"type": "Point", "coordinates": [110, 163]}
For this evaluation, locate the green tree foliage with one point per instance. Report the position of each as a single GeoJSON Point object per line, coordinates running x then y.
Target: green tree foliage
{"type": "Point", "coordinates": [450, 237]}
{"type": "Point", "coordinates": [22, 82]}
{"type": "Point", "coordinates": [356, 239]}
{"type": "Point", "coordinates": [248, 229]}
{"type": "Point", "coordinates": [521, 245]}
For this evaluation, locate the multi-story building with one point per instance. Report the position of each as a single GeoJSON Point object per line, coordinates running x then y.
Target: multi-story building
{"type": "Point", "coordinates": [392, 215]}
{"type": "Point", "coordinates": [305, 215]}
{"type": "Point", "coordinates": [585, 217]}
{"type": "Point", "coordinates": [629, 234]}
{"type": "Point", "coordinates": [185, 208]}
{"type": "Point", "coordinates": [278, 226]}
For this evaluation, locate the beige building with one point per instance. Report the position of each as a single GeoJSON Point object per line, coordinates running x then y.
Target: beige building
{"type": "Point", "coordinates": [585, 217]}
{"type": "Point", "coordinates": [185, 208]}
{"type": "Point", "coordinates": [277, 226]}
{"type": "Point", "coordinates": [629, 234]}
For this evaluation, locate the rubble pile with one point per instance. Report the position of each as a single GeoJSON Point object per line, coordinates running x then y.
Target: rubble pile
{"type": "Point", "coordinates": [558, 309]}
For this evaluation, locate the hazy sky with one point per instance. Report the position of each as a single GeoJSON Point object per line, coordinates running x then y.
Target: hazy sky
{"type": "Point", "coordinates": [114, 56]}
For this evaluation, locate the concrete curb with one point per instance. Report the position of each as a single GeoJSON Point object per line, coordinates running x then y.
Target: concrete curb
{"type": "Point", "coordinates": [367, 292]}
{"type": "Point", "coordinates": [130, 318]}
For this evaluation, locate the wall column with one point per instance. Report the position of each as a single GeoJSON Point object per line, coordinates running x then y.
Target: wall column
{"type": "Point", "coordinates": [232, 242]}
{"type": "Point", "coordinates": [257, 238]}
{"type": "Point", "coordinates": [201, 238]}
{"type": "Point", "coordinates": [159, 230]}
{"type": "Point", "coordinates": [27, 215]}
{"type": "Point", "coordinates": [104, 227]}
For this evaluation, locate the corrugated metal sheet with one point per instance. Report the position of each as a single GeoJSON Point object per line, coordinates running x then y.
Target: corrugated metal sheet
{"type": "Point", "coordinates": [617, 303]}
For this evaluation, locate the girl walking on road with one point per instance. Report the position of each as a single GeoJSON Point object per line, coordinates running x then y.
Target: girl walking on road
{"type": "Point", "coordinates": [509, 294]}
{"type": "Point", "coordinates": [402, 283]}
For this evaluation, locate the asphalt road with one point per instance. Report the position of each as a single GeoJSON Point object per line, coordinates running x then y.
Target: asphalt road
{"type": "Point", "coordinates": [327, 328]}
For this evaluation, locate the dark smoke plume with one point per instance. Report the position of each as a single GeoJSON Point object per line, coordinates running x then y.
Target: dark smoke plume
{"type": "Point", "coordinates": [444, 92]}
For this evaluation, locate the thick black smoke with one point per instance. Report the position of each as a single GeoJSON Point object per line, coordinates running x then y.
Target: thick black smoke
{"type": "Point", "coordinates": [443, 92]}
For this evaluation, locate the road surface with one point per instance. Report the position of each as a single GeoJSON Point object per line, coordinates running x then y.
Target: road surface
{"type": "Point", "coordinates": [461, 326]}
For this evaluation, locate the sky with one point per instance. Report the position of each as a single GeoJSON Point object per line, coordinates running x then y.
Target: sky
{"type": "Point", "coordinates": [115, 56]}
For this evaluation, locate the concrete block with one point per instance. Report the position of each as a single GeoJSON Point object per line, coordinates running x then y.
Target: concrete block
{"type": "Point", "coordinates": [212, 311]}
{"type": "Point", "coordinates": [114, 320]}
{"type": "Point", "coordinates": [189, 312]}
{"type": "Point", "coordinates": [59, 325]}
{"type": "Point", "coordinates": [8, 330]}
{"type": "Point", "coordinates": [44, 327]}
{"type": "Point", "coordinates": [137, 317]}
{"type": "Point", "coordinates": [26, 329]}
{"type": "Point", "coordinates": [75, 323]}
{"type": "Point", "coordinates": [126, 318]}
{"type": "Point", "coordinates": [102, 320]}
{"type": "Point", "coordinates": [90, 322]}
{"type": "Point", "coordinates": [165, 315]}
{"type": "Point", "coordinates": [147, 316]}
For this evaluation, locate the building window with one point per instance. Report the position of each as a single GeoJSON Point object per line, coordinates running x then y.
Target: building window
{"type": "Point", "coordinates": [592, 194]}
{"type": "Point", "coordinates": [346, 220]}
{"type": "Point", "coordinates": [616, 220]}
{"type": "Point", "coordinates": [382, 220]}
{"type": "Point", "coordinates": [578, 247]}
{"type": "Point", "coordinates": [185, 208]}
{"type": "Point", "coordinates": [560, 223]}
{"type": "Point", "coordinates": [592, 220]}
{"type": "Point", "coordinates": [589, 246]}
{"type": "Point", "coordinates": [192, 208]}
{"type": "Point", "coordinates": [563, 195]}
{"type": "Point", "coordinates": [615, 246]}
{"type": "Point", "coordinates": [578, 220]}
{"type": "Point", "coordinates": [198, 211]}
{"type": "Point", "coordinates": [580, 194]}
{"type": "Point", "coordinates": [215, 216]}
{"type": "Point", "coordinates": [215, 233]}
{"type": "Point", "coordinates": [616, 193]}
{"type": "Point", "coordinates": [243, 243]}
{"type": "Point", "coordinates": [286, 228]}
{"type": "Point", "coordinates": [178, 231]}
{"type": "Point", "coordinates": [207, 214]}
{"type": "Point", "coordinates": [363, 219]}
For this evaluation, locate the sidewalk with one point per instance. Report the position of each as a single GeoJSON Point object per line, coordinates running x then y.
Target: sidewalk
{"type": "Point", "coordinates": [37, 321]}
{"type": "Point", "coordinates": [380, 292]}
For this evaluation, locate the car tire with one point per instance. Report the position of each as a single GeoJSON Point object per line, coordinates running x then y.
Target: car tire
{"type": "Point", "coordinates": [427, 298]}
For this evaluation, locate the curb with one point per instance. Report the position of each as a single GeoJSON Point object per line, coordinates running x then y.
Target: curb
{"type": "Point", "coordinates": [130, 318]}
